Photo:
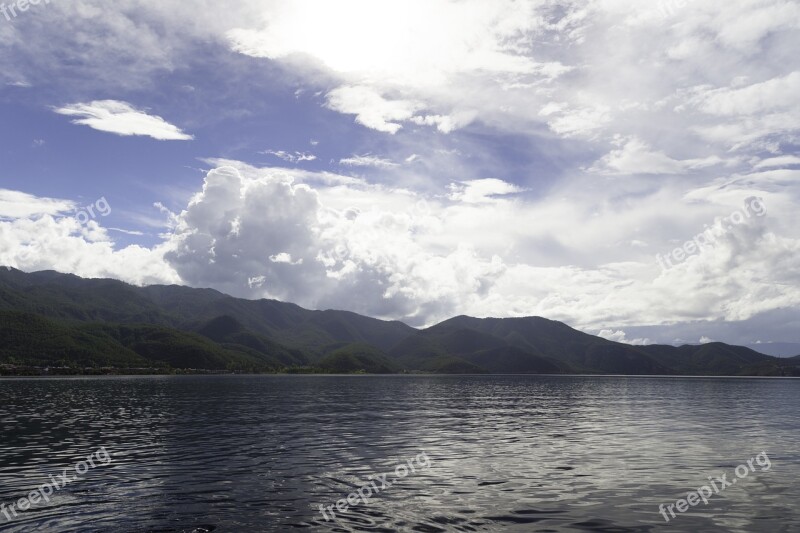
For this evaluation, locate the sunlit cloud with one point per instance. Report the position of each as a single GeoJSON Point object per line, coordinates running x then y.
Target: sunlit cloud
{"type": "Point", "coordinates": [121, 118]}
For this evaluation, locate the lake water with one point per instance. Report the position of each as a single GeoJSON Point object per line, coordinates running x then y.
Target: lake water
{"type": "Point", "coordinates": [506, 453]}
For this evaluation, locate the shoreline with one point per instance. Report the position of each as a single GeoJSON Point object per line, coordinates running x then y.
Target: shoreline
{"type": "Point", "coordinates": [363, 374]}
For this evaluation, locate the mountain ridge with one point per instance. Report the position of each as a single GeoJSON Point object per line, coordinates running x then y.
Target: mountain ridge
{"type": "Point", "coordinates": [176, 327]}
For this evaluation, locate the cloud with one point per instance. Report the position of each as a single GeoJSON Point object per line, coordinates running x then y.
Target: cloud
{"type": "Point", "coordinates": [403, 37]}
{"type": "Point", "coordinates": [375, 251]}
{"type": "Point", "coordinates": [121, 118]}
{"type": "Point", "coordinates": [371, 109]}
{"type": "Point", "coordinates": [266, 236]}
{"type": "Point", "coordinates": [636, 157]}
{"type": "Point", "coordinates": [230, 229]}
{"type": "Point", "coordinates": [448, 65]}
{"type": "Point", "coordinates": [744, 115]}
{"type": "Point", "coordinates": [285, 258]}
{"type": "Point", "coordinates": [481, 191]}
{"type": "Point", "coordinates": [296, 175]}
{"type": "Point", "coordinates": [759, 98]}
{"type": "Point", "coordinates": [621, 336]}
{"type": "Point", "coordinates": [16, 204]}
{"type": "Point", "coordinates": [296, 157]}
{"type": "Point", "coordinates": [127, 231]}
{"type": "Point", "coordinates": [569, 121]}
{"type": "Point", "coordinates": [778, 162]}
{"type": "Point", "coordinates": [446, 123]}
{"type": "Point", "coordinates": [63, 244]}
{"type": "Point", "coordinates": [367, 161]}
{"type": "Point", "coordinates": [419, 51]}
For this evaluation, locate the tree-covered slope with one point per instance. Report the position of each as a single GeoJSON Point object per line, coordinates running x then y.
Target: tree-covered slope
{"type": "Point", "coordinates": [68, 297]}
{"type": "Point", "coordinates": [51, 317]}
{"type": "Point", "coordinates": [358, 358]}
{"type": "Point", "coordinates": [31, 340]}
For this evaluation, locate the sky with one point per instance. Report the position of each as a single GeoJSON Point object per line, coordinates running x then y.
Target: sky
{"type": "Point", "coordinates": [629, 168]}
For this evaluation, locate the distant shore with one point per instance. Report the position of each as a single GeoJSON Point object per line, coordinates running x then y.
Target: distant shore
{"type": "Point", "coordinates": [10, 371]}
{"type": "Point", "coordinates": [30, 371]}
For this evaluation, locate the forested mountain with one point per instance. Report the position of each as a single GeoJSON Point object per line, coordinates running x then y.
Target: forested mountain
{"type": "Point", "coordinates": [49, 319]}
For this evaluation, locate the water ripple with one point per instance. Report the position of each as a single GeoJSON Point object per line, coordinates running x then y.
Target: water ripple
{"type": "Point", "coordinates": [201, 454]}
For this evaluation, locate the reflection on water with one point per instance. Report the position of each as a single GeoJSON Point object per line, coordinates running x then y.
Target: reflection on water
{"type": "Point", "coordinates": [508, 453]}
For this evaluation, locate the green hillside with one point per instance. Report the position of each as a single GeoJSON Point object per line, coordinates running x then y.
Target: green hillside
{"type": "Point", "coordinates": [52, 319]}
{"type": "Point", "coordinates": [33, 341]}
{"type": "Point", "coordinates": [358, 358]}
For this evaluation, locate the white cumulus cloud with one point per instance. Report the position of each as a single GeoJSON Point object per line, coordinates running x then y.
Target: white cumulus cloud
{"type": "Point", "coordinates": [121, 118]}
{"type": "Point", "coordinates": [16, 204]}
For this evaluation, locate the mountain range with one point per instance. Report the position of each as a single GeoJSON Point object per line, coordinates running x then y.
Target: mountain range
{"type": "Point", "coordinates": [777, 349]}
{"type": "Point", "coordinates": [76, 325]}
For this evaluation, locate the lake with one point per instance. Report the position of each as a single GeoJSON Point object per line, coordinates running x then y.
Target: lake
{"type": "Point", "coordinates": [480, 453]}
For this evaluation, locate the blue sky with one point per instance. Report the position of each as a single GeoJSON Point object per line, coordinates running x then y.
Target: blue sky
{"type": "Point", "coordinates": [417, 160]}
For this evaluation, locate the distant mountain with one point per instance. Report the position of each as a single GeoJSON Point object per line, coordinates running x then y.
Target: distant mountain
{"type": "Point", "coordinates": [49, 319]}
{"type": "Point", "coordinates": [452, 344]}
{"type": "Point", "coordinates": [34, 341]}
{"type": "Point", "coordinates": [549, 343]}
{"type": "Point", "coordinates": [230, 334]}
{"type": "Point", "coordinates": [358, 358]}
{"type": "Point", "coordinates": [68, 297]}
{"type": "Point", "coordinates": [776, 349]}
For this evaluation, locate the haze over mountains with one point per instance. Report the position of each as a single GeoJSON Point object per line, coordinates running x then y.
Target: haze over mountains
{"type": "Point", "coordinates": [49, 319]}
{"type": "Point", "coordinates": [777, 349]}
